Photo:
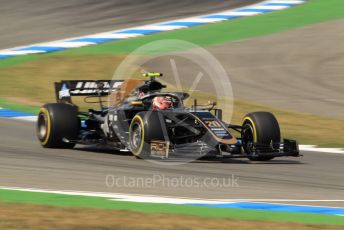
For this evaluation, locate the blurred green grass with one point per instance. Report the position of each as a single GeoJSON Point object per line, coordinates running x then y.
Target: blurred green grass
{"type": "Point", "coordinates": [312, 12]}
{"type": "Point", "coordinates": [76, 201]}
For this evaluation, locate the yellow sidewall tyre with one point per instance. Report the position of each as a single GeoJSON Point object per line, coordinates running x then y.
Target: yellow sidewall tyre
{"type": "Point", "coordinates": [55, 122]}
{"type": "Point", "coordinates": [265, 130]}
{"type": "Point", "coordinates": [137, 142]}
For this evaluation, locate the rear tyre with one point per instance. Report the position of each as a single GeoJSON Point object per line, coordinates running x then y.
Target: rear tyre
{"type": "Point", "coordinates": [262, 128]}
{"type": "Point", "coordinates": [57, 121]}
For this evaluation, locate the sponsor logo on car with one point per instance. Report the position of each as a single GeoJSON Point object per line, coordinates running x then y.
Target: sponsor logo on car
{"type": "Point", "coordinates": [64, 92]}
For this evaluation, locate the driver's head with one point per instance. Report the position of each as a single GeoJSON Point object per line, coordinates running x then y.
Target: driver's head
{"type": "Point", "coordinates": [162, 102]}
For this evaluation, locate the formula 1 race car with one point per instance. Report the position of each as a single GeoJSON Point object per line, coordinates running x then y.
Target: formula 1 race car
{"type": "Point", "coordinates": [148, 122]}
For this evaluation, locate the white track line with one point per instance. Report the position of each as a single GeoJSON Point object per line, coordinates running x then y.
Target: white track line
{"type": "Point", "coordinates": [67, 44]}
{"type": "Point", "coordinates": [22, 52]}
{"type": "Point", "coordinates": [314, 148]}
{"type": "Point", "coordinates": [230, 13]}
{"type": "Point", "coordinates": [119, 196]}
{"type": "Point", "coordinates": [26, 118]}
{"type": "Point", "coordinates": [159, 27]}
{"type": "Point", "coordinates": [269, 7]}
{"type": "Point", "coordinates": [119, 36]}
{"type": "Point", "coordinates": [201, 20]}
{"type": "Point", "coordinates": [287, 1]}
{"type": "Point", "coordinates": [163, 199]}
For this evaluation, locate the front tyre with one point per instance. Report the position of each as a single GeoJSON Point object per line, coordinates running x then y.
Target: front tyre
{"type": "Point", "coordinates": [261, 128]}
{"type": "Point", "coordinates": [145, 127]}
{"type": "Point", "coordinates": [137, 142]}
{"type": "Point", "coordinates": [57, 121]}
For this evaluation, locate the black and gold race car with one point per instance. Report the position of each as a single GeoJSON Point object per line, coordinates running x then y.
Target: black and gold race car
{"type": "Point", "coordinates": [143, 119]}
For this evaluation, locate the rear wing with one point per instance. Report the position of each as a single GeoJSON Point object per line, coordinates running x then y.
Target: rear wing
{"type": "Point", "coordinates": [64, 90]}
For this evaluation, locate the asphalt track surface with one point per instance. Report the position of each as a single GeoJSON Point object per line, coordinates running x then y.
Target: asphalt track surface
{"type": "Point", "coordinates": [33, 21]}
{"type": "Point", "coordinates": [24, 163]}
{"type": "Point", "coordinates": [281, 70]}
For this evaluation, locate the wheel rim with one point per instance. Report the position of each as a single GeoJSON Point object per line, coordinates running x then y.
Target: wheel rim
{"type": "Point", "coordinates": [42, 126]}
{"type": "Point", "coordinates": [136, 137]}
{"type": "Point", "coordinates": [247, 138]}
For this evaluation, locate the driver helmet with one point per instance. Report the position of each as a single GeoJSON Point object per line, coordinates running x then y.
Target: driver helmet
{"type": "Point", "coordinates": [162, 103]}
